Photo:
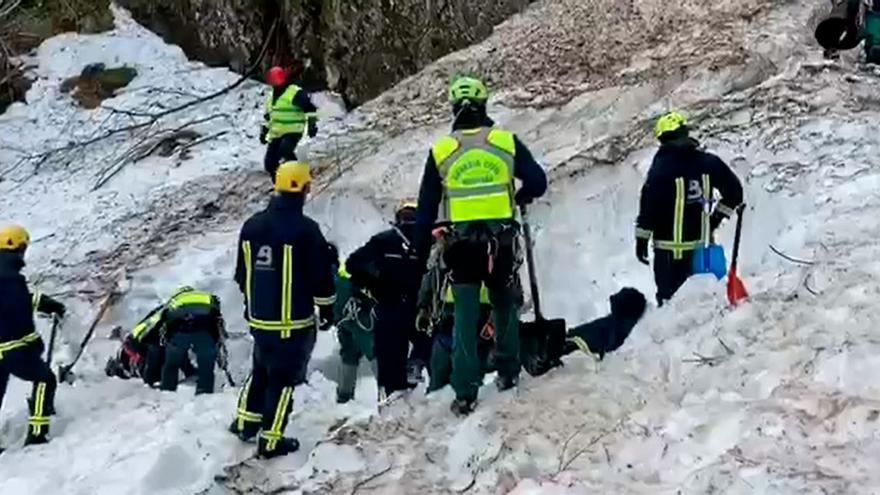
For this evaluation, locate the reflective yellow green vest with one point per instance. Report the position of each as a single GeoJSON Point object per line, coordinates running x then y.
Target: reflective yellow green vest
{"type": "Point", "coordinates": [476, 167]}
{"type": "Point", "coordinates": [449, 297]}
{"type": "Point", "coordinates": [190, 302]}
{"type": "Point", "coordinates": [147, 325]}
{"type": "Point", "coordinates": [284, 116]}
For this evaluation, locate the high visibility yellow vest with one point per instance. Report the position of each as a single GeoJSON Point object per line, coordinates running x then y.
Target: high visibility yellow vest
{"type": "Point", "coordinates": [192, 302]}
{"type": "Point", "coordinates": [284, 116]}
{"type": "Point", "coordinates": [146, 325]}
{"type": "Point", "coordinates": [476, 167]}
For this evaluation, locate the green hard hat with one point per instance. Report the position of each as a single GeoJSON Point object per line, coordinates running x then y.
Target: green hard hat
{"type": "Point", "coordinates": [468, 88]}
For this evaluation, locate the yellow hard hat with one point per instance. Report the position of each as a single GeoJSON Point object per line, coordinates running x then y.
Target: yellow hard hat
{"type": "Point", "coordinates": [669, 122]}
{"type": "Point", "coordinates": [292, 177]}
{"type": "Point", "coordinates": [405, 211]}
{"type": "Point", "coordinates": [13, 238]}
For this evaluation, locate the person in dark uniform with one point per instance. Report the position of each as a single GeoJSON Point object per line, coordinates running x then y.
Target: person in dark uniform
{"type": "Point", "coordinates": [678, 208]}
{"type": "Point", "coordinates": [21, 347]}
{"type": "Point", "coordinates": [289, 113]}
{"type": "Point", "coordinates": [191, 320]}
{"type": "Point", "coordinates": [385, 266]}
{"type": "Point", "coordinates": [284, 270]}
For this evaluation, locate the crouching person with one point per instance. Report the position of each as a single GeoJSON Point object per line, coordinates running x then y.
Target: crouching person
{"type": "Point", "coordinates": [607, 334]}
{"type": "Point", "coordinates": [192, 320]}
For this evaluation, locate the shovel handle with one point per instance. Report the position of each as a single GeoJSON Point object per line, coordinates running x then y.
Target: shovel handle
{"type": "Point", "coordinates": [736, 238]}
{"type": "Point", "coordinates": [530, 263]}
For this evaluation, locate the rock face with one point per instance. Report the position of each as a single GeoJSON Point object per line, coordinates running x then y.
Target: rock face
{"type": "Point", "coordinates": [357, 47]}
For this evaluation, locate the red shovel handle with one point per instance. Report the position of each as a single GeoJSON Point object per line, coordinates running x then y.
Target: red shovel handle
{"type": "Point", "coordinates": [736, 290]}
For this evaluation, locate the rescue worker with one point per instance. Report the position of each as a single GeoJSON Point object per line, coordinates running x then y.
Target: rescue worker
{"type": "Point", "coordinates": [289, 113]}
{"type": "Point", "coordinates": [469, 177]}
{"type": "Point", "coordinates": [21, 347]}
{"type": "Point", "coordinates": [385, 266]}
{"type": "Point", "coordinates": [191, 319]}
{"type": "Point", "coordinates": [677, 208]}
{"type": "Point", "coordinates": [355, 317]}
{"type": "Point", "coordinates": [143, 353]}
{"type": "Point", "coordinates": [284, 271]}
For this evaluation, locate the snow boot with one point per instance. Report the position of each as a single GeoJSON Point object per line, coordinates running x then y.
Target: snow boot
{"type": "Point", "coordinates": [39, 439]}
{"type": "Point", "coordinates": [505, 383]}
{"type": "Point", "coordinates": [414, 374]}
{"type": "Point", "coordinates": [462, 407]}
{"type": "Point", "coordinates": [283, 447]}
{"type": "Point", "coordinates": [245, 434]}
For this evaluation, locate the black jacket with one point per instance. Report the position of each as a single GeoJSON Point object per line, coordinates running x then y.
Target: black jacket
{"type": "Point", "coordinates": [682, 159]}
{"type": "Point", "coordinates": [526, 169]}
{"type": "Point", "coordinates": [386, 266]}
{"type": "Point", "coordinates": [607, 334]}
{"type": "Point", "coordinates": [283, 252]}
{"type": "Point", "coordinates": [16, 303]}
{"type": "Point", "coordinates": [187, 319]}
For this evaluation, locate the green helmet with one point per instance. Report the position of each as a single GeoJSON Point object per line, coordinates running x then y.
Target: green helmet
{"type": "Point", "coordinates": [468, 88]}
{"type": "Point", "coordinates": [669, 122]}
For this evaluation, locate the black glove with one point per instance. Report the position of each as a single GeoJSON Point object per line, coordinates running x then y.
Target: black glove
{"type": "Point", "coordinates": [522, 199]}
{"type": "Point", "coordinates": [642, 250]}
{"type": "Point", "coordinates": [325, 315]}
{"type": "Point", "coordinates": [313, 127]}
{"type": "Point", "coordinates": [423, 321]}
{"type": "Point", "coordinates": [50, 306]}
{"type": "Point", "coordinates": [264, 134]}
{"type": "Point", "coordinates": [715, 220]}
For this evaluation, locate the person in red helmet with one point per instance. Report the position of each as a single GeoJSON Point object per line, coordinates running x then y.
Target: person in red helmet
{"type": "Point", "coordinates": [290, 113]}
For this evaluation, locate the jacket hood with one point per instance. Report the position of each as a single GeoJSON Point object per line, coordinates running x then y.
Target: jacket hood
{"type": "Point", "coordinates": [683, 144]}
{"type": "Point", "coordinates": [11, 262]}
{"type": "Point", "coordinates": [288, 202]}
{"type": "Point", "coordinates": [472, 118]}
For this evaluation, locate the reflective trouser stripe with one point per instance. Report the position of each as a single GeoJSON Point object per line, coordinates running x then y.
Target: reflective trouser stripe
{"type": "Point", "coordinates": [37, 421]}
{"type": "Point", "coordinates": [678, 218]}
{"type": "Point", "coordinates": [274, 434]}
{"type": "Point", "coordinates": [242, 414]}
{"type": "Point", "coordinates": [581, 344]}
{"type": "Point", "coordinates": [707, 209]}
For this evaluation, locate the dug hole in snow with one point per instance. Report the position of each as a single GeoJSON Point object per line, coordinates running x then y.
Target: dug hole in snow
{"type": "Point", "coordinates": [774, 396]}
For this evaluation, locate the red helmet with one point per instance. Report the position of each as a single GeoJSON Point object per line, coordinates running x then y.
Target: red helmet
{"type": "Point", "coordinates": [276, 76]}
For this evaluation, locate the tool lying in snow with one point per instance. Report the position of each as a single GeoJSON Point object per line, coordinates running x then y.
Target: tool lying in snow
{"type": "Point", "coordinates": [543, 340]}
{"type": "Point", "coordinates": [736, 290]}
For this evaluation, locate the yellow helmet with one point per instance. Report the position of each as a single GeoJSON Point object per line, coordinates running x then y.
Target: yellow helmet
{"type": "Point", "coordinates": [292, 177]}
{"type": "Point", "coordinates": [670, 122]}
{"type": "Point", "coordinates": [14, 238]}
{"type": "Point", "coordinates": [405, 212]}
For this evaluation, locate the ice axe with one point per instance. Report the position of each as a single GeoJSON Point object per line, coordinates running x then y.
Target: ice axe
{"type": "Point", "coordinates": [736, 290]}
{"type": "Point", "coordinates": [543, 339]}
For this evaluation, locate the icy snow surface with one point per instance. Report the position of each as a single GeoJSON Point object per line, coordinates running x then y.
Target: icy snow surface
{"type": "Point", "coordinates": [785, 401]}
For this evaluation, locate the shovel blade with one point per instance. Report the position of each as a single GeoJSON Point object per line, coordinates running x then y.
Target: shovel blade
{"type": "Point", "coordinates": [542, 343]}
{"type": "Point", "coordinates": [736, 290]}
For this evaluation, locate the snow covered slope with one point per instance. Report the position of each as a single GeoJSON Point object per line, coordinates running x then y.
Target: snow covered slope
{"type": "Point", "coordinates": [775, 396]}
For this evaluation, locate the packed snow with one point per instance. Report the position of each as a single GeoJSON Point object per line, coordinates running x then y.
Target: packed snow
{"type": "Point", "coordinates": [774, 396]}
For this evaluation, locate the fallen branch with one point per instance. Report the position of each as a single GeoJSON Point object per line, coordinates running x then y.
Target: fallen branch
{"type": "Point", "coordinates": [365, 481]}
{"type": "Point", "coordinates": [707, 360]}
{"type": "Point", "coordinates": [790, 258]}
{"type": "Point", "coordinates": [205, 139]}
{"type": "Point", "coordinates": [586, 447]}
{"type": "Point", "coordinates": [565, 447]}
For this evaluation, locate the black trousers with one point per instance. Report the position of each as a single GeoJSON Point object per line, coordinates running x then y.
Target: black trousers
{"type": "Point", "coordinates": [27, 364]}
{"type": "Point", "coordinates": [266, 398]}
{"type": "Point", "coordinates": [280, 150]}
{"type": "Point", "coordinates": [670, 273]}
{"type": "Point", "coordinates": [395, 326]}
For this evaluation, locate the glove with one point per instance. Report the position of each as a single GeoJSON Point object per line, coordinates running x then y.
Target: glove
{"type": "Point", "coordinates": [715, 220]}
{"type": "Point", "coordinates": [264, 134]}
{"type": "Point", "coordinates": [642, 250]}
{"type": "Point", "coordinates": [423, 321]}
{"type": "Point", "coordinates": [522, 199]}
{"type": "Point", "coordinates": [325, 315]}
{"type": "Point", "coordinates": [313, 127]}
{"type": "Point", "coordinates": [51, 306]}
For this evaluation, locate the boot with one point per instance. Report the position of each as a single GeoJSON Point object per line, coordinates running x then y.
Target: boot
{"type": "Point", "coordinates": [506, 382]}
{"type": "Point", "coordinates": [245, 434]}
{"type": "Point", "coordinates": [462, 407]}
{"type": "Point", "coordinates": [39, 439]}
{"type": "Point", "coordinates": [347, 383]}
{"type": "Point", "coordinates": [283, 447]}
{"type": "Point", "coordinates": [414, 372]}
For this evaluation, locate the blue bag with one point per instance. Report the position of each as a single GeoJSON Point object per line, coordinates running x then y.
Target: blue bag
{"type": "Point", "coordinates": [710, 259]}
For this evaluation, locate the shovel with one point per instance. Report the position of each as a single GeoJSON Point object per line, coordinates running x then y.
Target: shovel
{"type": "Point", "coordinates": [56, 322]}
{"type": "Point", "coordinates": [543, 340]}
{"type": "Point", "coordinates": [736, 290]}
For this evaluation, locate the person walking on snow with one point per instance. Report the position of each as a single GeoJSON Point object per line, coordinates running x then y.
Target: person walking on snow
{"type": "Point", "coordinates": [21, 347]}
{"type": "Point", "coordinates": [469, 178]}
{"type": "Point", "coordinates": [191, 319]}
{"type": "Point", "coordinates": [385, 267]}
{"type": "Point", "coordinates": [289, 114]}
{"type": "Point", "coordinates": [677, 208]}
{"type": "Point", "coordinates": [284, 271]}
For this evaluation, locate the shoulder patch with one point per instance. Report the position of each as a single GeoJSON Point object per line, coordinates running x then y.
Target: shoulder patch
{"type": "Point", "coordinates": [502, 140]}
{"type": "Point", "coordinates": [443, 148]}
